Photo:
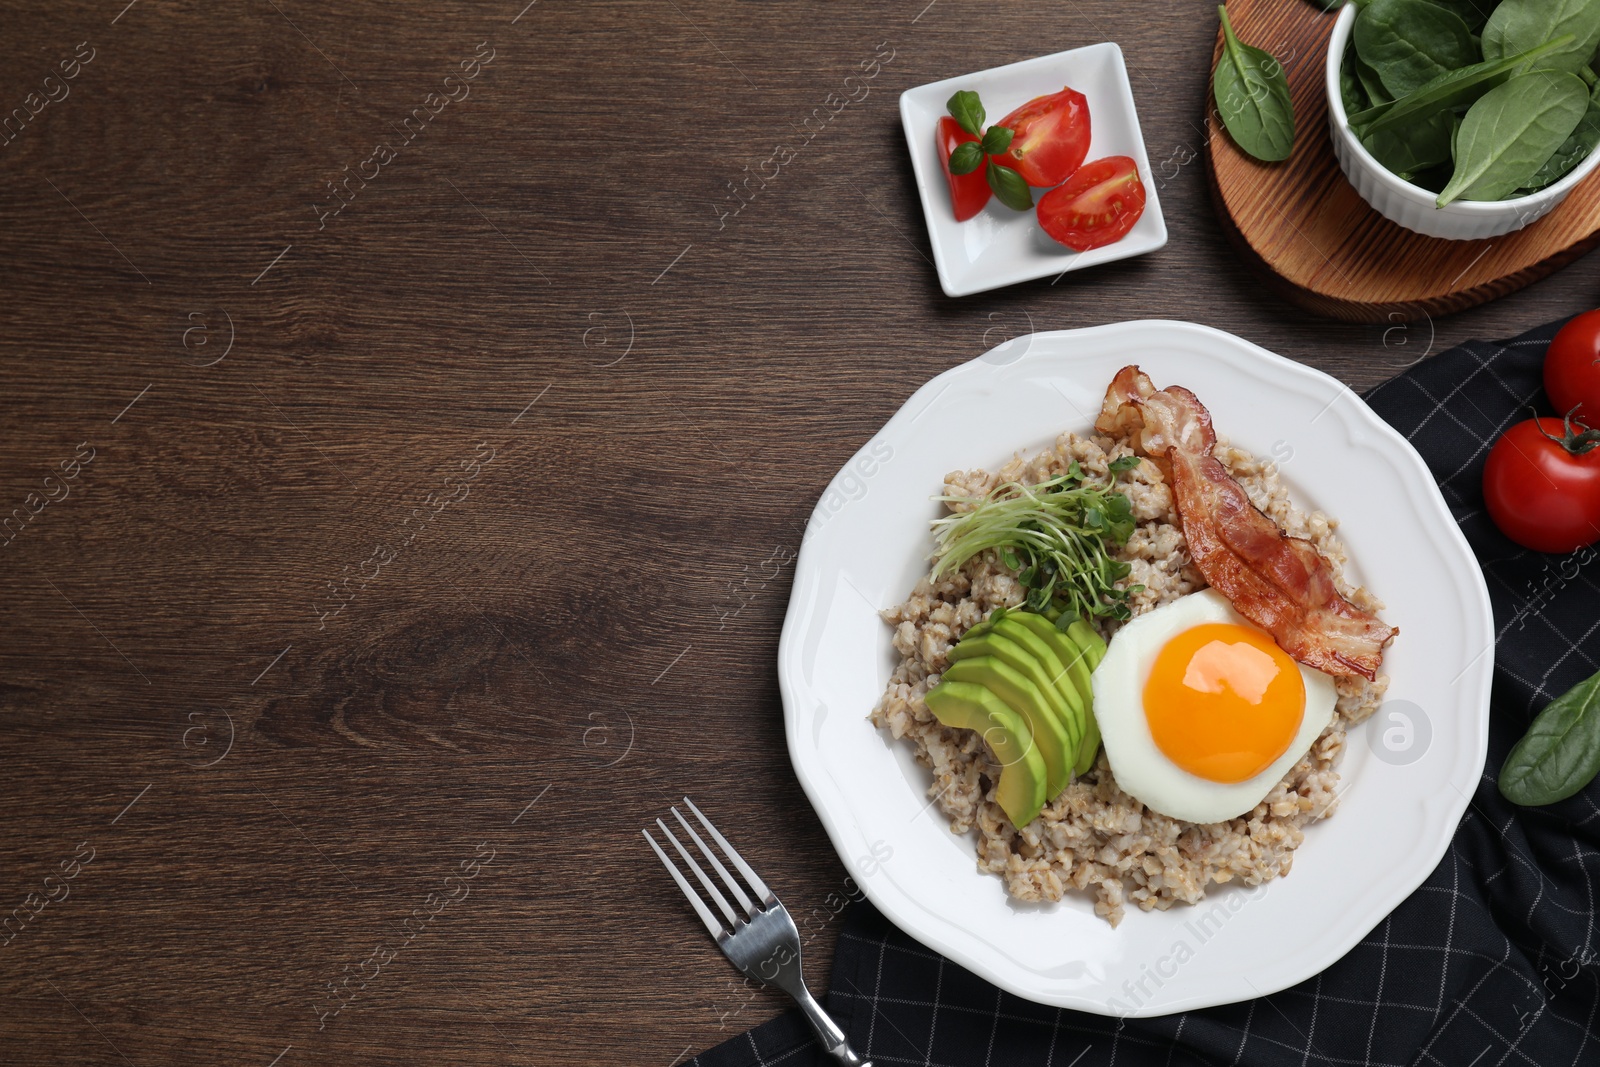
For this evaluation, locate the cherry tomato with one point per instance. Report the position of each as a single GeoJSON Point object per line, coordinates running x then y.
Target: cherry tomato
{"type": "Point", "coordinates": [968, 192]}
{"type": "Point", "coordinates": [1051, 137]}
{"type": "Point", "coordinates": [1542, 485]}
{"type": "Point", "coordinates": [1098, 205]}
{"type": "Point", "coordinates": [1572, 368]}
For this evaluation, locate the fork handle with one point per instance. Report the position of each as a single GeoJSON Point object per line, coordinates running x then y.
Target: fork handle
{"type": "Point", "coordinates": [828, 1032]}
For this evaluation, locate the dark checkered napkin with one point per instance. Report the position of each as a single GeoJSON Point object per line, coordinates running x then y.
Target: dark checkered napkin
{"type": "Point", "coordinates": [1494, 961]}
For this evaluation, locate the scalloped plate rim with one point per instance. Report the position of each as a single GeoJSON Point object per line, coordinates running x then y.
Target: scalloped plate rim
{"type": "Point", "coordinates": [933, 928]}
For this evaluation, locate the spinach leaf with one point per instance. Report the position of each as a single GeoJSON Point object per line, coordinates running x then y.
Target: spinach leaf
{"type": "Point", "coordinates": [1560, 754]}
{"type": "Point", "coordinates": [1371, 83]}
{"type": "Point", "coordinates": [1351, 91]}
{"type": "Point", "coordinates": [1473, 12]}
{"type": "Point", "coordinates": [1456, 89]}
{"type": "Point", "coordinates": [1407, 150]}
{"type": "Point", "coordinates": [1411, 42]}
{"type": "Point", "coordinates": [1253, 98]}
{"type": "Point", "coordinates": [1511, 131]}
{"type": "Point", "coordinates": [1518, 25]}
{"type": "Point", "coordinates": [1574, 150]}
{"type": "Point", "coordinates": [1434, 178]}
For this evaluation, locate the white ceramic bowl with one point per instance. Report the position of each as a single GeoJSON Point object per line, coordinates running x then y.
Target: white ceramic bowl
{"type": "Point", "coordinates": [1413, 207]}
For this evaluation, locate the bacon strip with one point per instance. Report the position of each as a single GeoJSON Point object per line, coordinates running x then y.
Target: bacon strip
{"type": "Point", "coordinates": [1280, 583]}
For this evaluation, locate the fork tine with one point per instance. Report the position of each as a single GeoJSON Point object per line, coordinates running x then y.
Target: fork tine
{"type": "Point", "coordinates": [738, 861]}
{"type": "Point", "coordinates": [728, 880]}
{"type": "Point", "coordinates": [694, 898]}
{"type": "Point", "coordinates": [733, 918]}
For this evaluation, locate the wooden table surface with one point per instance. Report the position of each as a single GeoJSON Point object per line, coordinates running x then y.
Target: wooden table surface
{"type": "Point", "coordinates": [407, 434]}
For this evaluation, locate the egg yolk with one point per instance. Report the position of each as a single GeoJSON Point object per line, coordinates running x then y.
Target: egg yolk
{"type": "Point", "coordinates": [1223, 701]}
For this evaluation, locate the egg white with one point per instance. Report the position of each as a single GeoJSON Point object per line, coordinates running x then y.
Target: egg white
{"type": "Point", "coordinates": [1140, 767]}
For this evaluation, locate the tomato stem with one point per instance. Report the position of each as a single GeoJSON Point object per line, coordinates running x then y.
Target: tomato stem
{"type": "Point", "coordinates": [1576, 442]}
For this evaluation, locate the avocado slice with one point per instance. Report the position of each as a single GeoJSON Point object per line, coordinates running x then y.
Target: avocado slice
{"type": "Point", "coordinates": [1035, 662]}
{"type": "Point", "coordinates": [1066, 649]}
{"type": "Point", "coordinates": [1069, 677]}
{"type": "Point", "coordinates": [1081, 650]}
{"type": "Point", "coordinates": [1093, 650]}
{"type": "Point", "coordinates": [1083, 635]}
{"type": "Point", "coordinates": [1034, 633]}
{"type": "Point", "coordinates": [1022, 777]}
{"type": "Point", "coordinates": [1024, 698]}
{"type": "Point", "coordinates": [1090, 749]}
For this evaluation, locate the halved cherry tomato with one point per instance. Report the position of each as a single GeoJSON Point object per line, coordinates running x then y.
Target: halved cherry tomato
{"type": "Point", "coordinates": [1098, 205]}
{"type": "Point", "coordinates": [1572, 368]}
{"type": "Point", "coordinates": [1051, 137]}
{"type": "Point", "coordinates": [968, 192]}
{"type": "Point", "coordinates": [1542, 486]}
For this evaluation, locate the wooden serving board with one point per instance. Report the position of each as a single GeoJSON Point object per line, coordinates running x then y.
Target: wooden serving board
{"type": "Point", "coordinates": [1318, 243]}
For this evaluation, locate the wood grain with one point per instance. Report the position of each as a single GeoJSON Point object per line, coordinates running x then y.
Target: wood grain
{"type": "Point", "coordinates": [1317, 243]}
{"type": "Point", "coordinates": [540, 420]}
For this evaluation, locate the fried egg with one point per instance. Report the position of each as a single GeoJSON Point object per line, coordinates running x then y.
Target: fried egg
{"type": "Point", "coordinates": [1201, 712]}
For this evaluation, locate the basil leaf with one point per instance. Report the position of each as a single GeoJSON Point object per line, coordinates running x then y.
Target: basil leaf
{"type": "Point", "coordinates": [1560, 753]}
{"type": "Point", "coordinates": [1010, 188]}
{"type": "Point", "coordinates": [1411, 42]}
{"type": "Point", "coordinates": [1253, 98]}
{"type": "Point", "coordinates": [1574, 150]}
{"type": "Point", "coordinates": [965, 158]}
{"type": "Point", "coordinates": [1511, 131]}
{"type": "Point", "coordinates": [1408, 150]}
{"type": "Point", "coordinates": [967, 110]}
{"type": "Point", "coordinates": [1517, 25]}
{"type": "Point", "coordinates": [996, 140]}
{"type": "Point", "coordinates": [1458, 88]}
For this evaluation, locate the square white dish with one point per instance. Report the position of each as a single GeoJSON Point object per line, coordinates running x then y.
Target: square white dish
{"type": "Point", "coordinates": [999, 246]}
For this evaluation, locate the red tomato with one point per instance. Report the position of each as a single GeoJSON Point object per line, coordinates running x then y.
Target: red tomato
{"type": "Point", "coordinates": [1098, 205]}
{"type": "Point", "coordinates": [1542, 491]}
{"type": "Point", "coordinates": [1572, 368]}
{"type": "Point", "coordinates": [1051, 137]}
{"type": "Point", "coordinates": [968, 192]}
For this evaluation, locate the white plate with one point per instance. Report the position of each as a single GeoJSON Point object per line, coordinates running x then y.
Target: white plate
{"type": "Point", "coordinates": [865, 548]}
{"type": "Point", "coordinates": [999, 246]}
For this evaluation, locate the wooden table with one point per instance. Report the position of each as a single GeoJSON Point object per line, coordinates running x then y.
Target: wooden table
{"type": "Point", "coordinates": [407, 433]}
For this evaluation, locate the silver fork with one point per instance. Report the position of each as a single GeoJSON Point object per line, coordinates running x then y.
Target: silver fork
{"type": "Point", "coordinates": [763, 943]}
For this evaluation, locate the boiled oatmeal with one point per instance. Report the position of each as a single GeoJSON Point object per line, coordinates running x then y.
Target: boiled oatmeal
{"type": "Point", "coordinates": [1093, 834]}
